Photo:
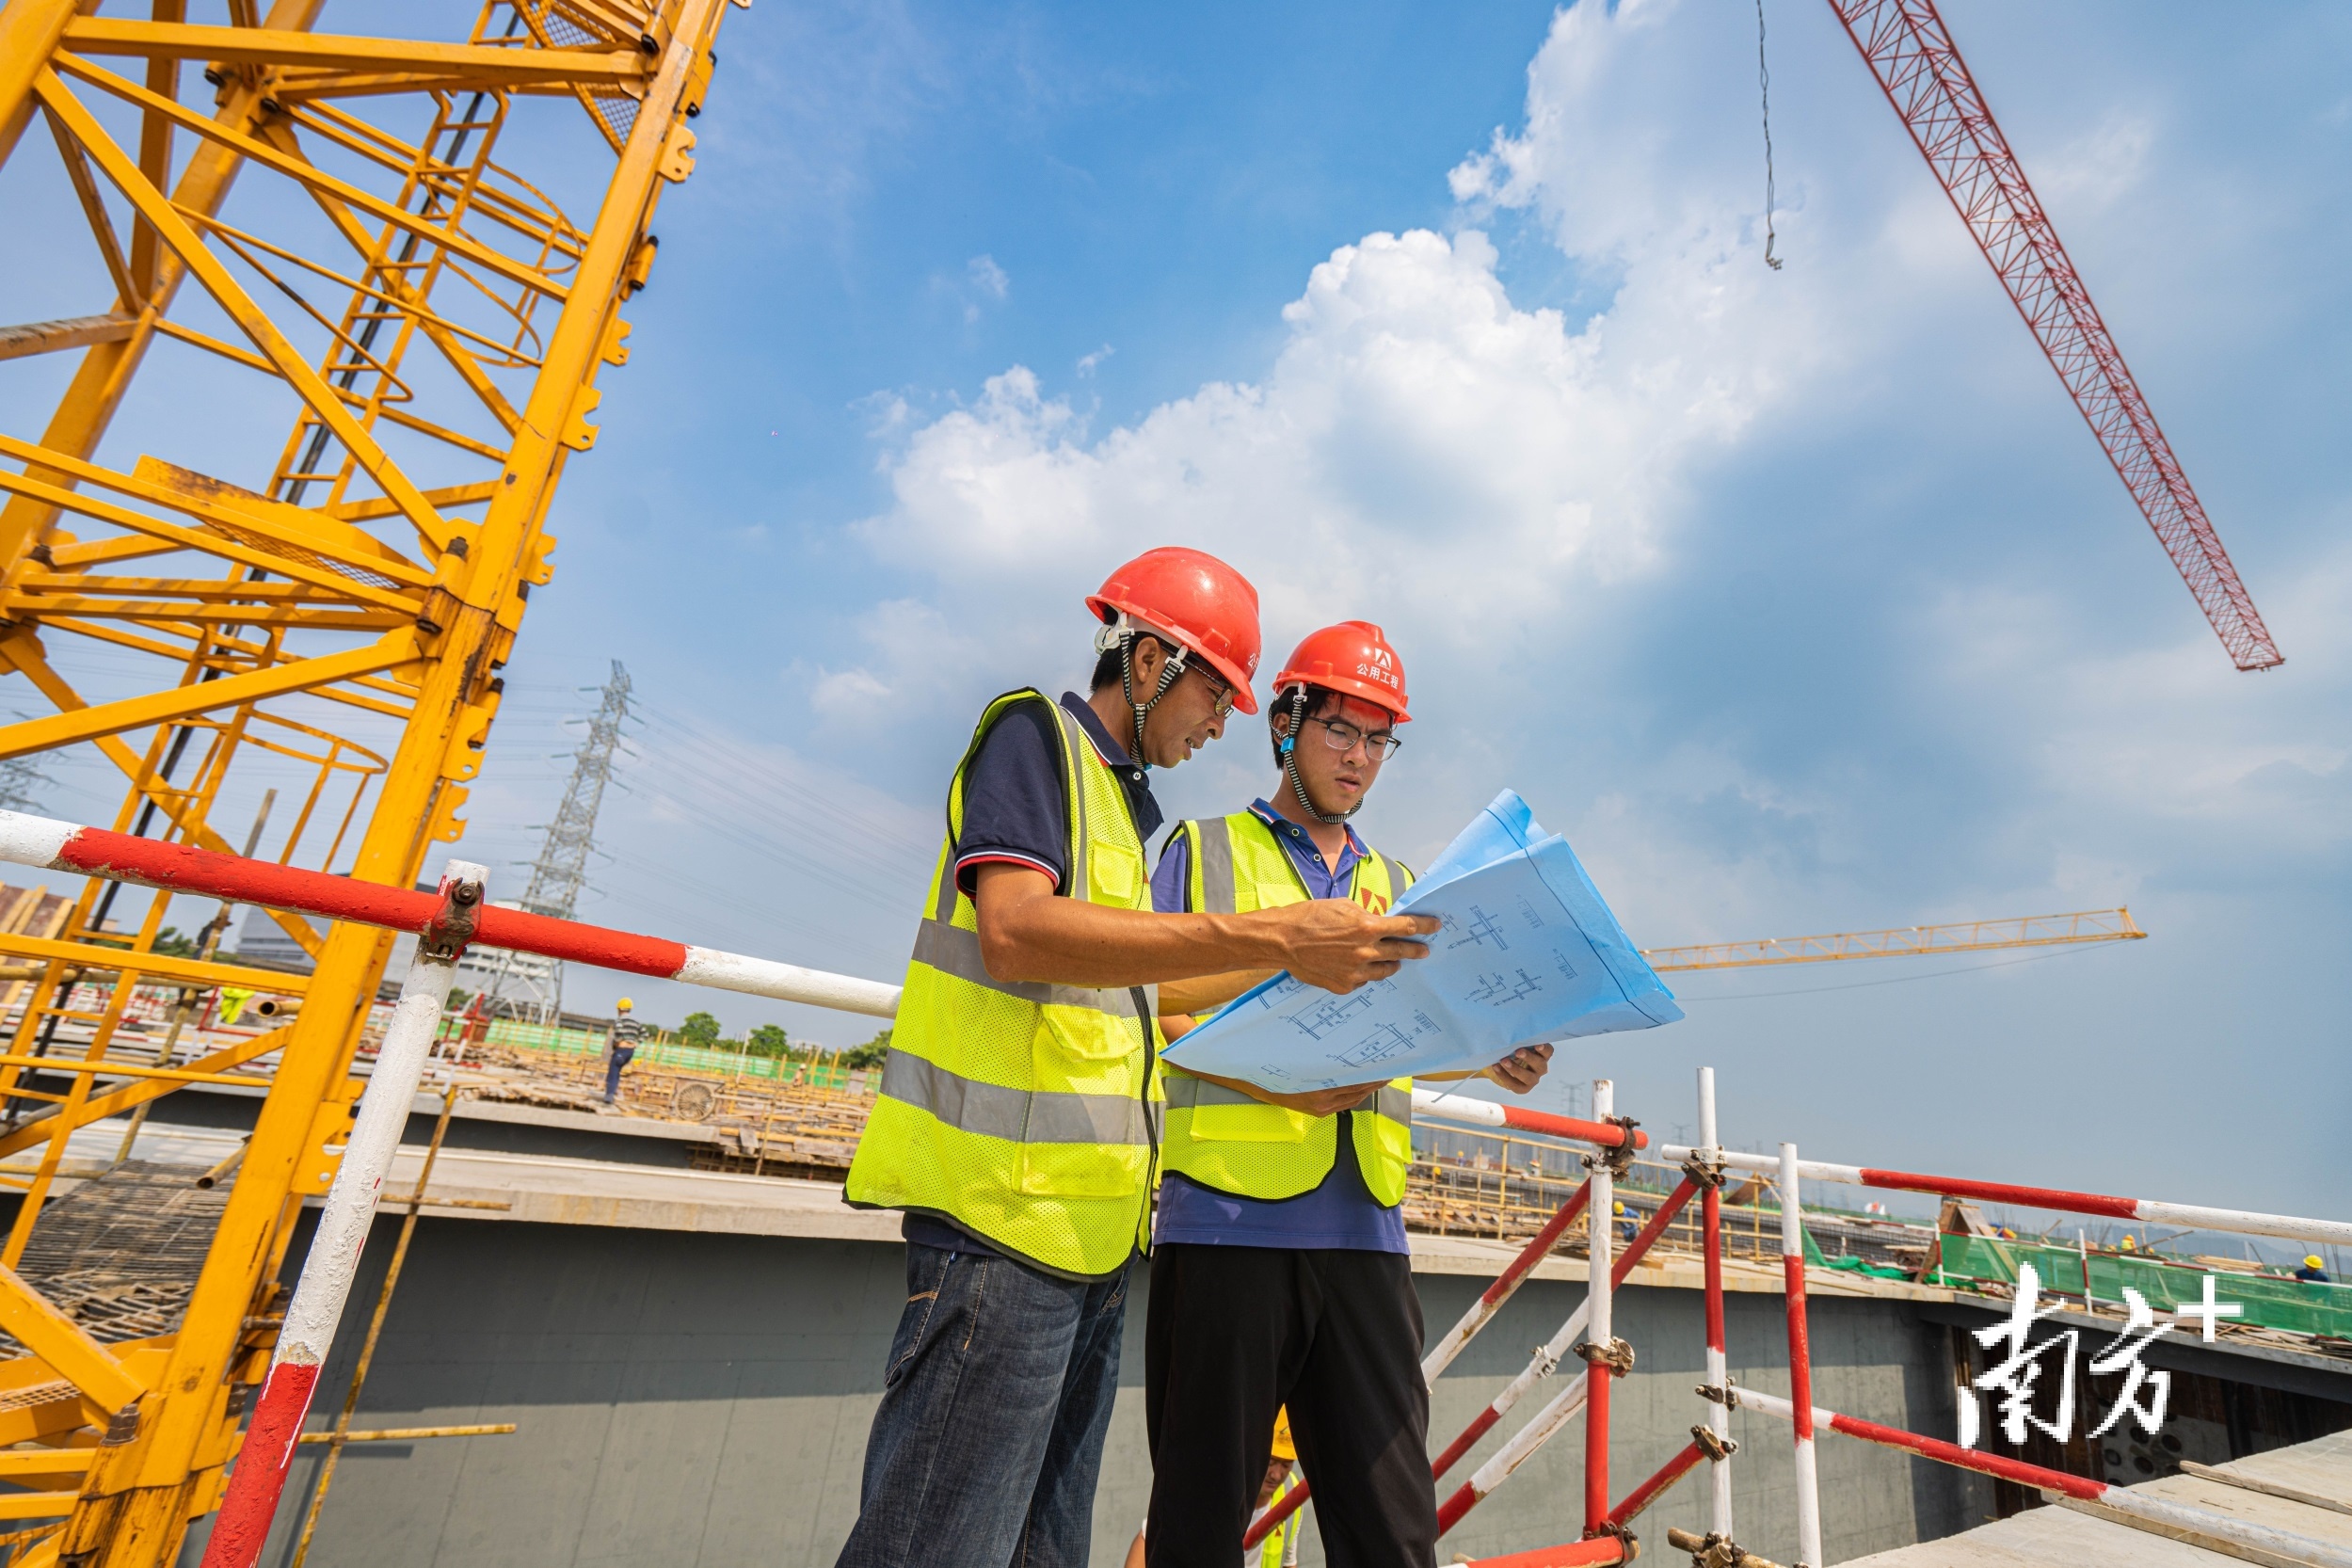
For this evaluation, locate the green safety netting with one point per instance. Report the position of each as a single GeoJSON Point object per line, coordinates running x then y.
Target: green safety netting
{"type": "Point", "coordinates": [588, 1042]}
{"type": "Point", "coordinates": [2269, 1301]}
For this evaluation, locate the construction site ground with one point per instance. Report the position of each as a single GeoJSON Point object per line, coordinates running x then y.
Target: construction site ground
{"type": "Point", "coordinates": [568, 1242]}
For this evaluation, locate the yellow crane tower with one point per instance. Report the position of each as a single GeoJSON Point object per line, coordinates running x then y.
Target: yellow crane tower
{"type": "Point", "coordinates": [397, 264]}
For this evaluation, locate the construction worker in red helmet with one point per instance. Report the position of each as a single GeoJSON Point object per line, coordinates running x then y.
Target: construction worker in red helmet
{"type": "Point", "coordinates": [1281, 1276]}
{"type": "Point", "coordinates": [1018, 1119]}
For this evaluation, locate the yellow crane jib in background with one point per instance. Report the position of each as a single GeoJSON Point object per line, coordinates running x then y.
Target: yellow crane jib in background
{"type": "Point", "coordinates": [396, 307]}
{"type": "Point", "coordinates": [1907, 941]}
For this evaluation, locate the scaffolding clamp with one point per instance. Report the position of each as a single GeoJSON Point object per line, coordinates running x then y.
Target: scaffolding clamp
{"type": "Point", "coordinates": [1618, 1161]}
{"type": "Point", "coordinates": [1716, 1448]}
{"type": "Point", "coordinates": [1727, 1396]}
{"type": "Point", "coordinates": [453, 925]}
{"type": "Point", "coordinates": [1707, 1168]}
{"type": "Point", "coordinates": [1713, 1551]}
{"type": "Point", "coordinates": [1616, 1355]}
{"type": "Point", "coordinates": [1623, 1531]}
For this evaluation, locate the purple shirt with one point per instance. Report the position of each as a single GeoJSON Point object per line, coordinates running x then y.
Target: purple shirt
{"type": "Point", "coordinates": [1340, 1212]}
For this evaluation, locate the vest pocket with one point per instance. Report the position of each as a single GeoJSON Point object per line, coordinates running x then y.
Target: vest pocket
{"type": "Point", "coordinates": [1114, 874]}
{"type": "Point", "coordinates": [1256, 1123]}
{"type": "Point", "coordinates": [1067, 1034]}
{"type": "Point", "coordinates": [1075, 1144]}
{"type": "Point", "coordinates": [1083, 1170]}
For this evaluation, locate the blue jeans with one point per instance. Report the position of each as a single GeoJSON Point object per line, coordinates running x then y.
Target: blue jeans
{"type": "Point", "coordinates": [989, 1439]}
{"type": "Point", "coordinates": [618, 1060]}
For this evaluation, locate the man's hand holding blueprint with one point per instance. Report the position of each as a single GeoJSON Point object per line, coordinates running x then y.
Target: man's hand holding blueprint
{"type": "Point", "coordinates": [1526, 951]}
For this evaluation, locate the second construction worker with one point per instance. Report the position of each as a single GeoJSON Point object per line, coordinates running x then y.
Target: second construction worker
{"type": "Point", "coordinates": [620, 1046]}
{"type": "Point", "coordinates": [1016, 1120]}
{"type": "Point", "coordinates": [1281, 1274]}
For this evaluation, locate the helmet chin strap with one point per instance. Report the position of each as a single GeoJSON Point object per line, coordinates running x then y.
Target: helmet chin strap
{"type": "Point", "coordinates": [1290, 766]}
{"type": "Point", "coordinates": [1169, 672]}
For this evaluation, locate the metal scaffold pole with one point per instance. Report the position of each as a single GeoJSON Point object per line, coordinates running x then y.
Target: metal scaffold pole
{"type": "Point", "coordinates": [309, 1334]}
{"type": "Point", "coordinates": [1600, 1229]}
{"type": "Point", "coordinates": [1719, 1362]}
{"type": "Point", "coordinates": [1800, 1363]}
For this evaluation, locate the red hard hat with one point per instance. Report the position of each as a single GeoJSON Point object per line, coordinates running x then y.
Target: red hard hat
{"type": "Point", "coordinates": [1198, 600]}
{"type": "Point", "coordinates": [1351, 657]}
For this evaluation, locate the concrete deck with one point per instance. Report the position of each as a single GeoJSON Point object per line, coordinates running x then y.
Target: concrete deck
{"type": "Point", "coordinates": [2065, 1538]}
{"type": "Point", "coordinates": [480, 1184]}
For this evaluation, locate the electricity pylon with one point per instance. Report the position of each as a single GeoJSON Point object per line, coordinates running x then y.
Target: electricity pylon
{"type": "Point", "coordinates": [396, 304]}
{"type": "Point", "coordinates": [17, 778]}
{"type": "Point", "coordinates": [560, 874]}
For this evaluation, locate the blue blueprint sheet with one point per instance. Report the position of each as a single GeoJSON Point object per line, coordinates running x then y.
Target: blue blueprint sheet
{"type": "Point", "coordinates": [1527, 952]}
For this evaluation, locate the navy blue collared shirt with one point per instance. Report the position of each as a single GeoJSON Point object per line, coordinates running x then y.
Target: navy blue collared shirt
{"type": "Point", "coordinates": [1014, 810]}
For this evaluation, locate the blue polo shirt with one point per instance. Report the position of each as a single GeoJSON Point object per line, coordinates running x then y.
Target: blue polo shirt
{"type": "Point", "coordinates": [1339, 1212]}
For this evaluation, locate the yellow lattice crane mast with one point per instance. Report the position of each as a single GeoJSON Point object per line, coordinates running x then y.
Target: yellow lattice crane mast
{"type": "Point", "coordinates": [1904, 942]}
{"type": "Point", "coordinates": [361, 245]}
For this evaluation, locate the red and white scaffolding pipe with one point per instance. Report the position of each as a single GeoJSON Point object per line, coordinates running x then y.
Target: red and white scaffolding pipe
{"type": "Point", "coordinates": [1506, 1285]}
{"type": "Point", "coordinates": [1474, 1112]}
{"type": "Point", "coordinates": [1428, 1105]}
{"type": "Point", "coordinates": [1709, 1158]}
{"type": "Point", "coordinates": [309, 1332]}
{"type": "Point", "coordinates": [1564, 1406]}
{"type": "Point", "coordinates": [2146, 1210]}
{"type": "Point", "coordinates": [60, 846]}
{"type": "Point", "coordinates": [1800, 1363]}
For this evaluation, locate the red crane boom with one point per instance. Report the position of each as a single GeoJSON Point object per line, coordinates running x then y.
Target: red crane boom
{"type": "Point", "coordinates": [1911, 53]}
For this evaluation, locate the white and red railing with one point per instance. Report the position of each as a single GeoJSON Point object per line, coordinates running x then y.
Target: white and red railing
{"type": "Point", "coordinates": [458, 915]}
{"type": "Point", "coordinates": [181, 868]}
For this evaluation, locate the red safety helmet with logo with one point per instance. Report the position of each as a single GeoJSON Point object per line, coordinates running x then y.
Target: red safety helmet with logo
{"type": "Point", "coordinates": [1353, 657]}
{"type": "Point", "coordinates": [1197, 599]}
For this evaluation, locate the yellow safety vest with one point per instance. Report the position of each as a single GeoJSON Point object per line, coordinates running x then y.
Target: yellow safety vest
{"type": "Point", "coordinates": [1022, 1111]}
{"type": "Point", "coordinates": [1221, 1137]}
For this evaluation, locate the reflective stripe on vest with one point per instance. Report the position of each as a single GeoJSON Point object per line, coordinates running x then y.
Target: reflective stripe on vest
{"type": "Point", "coordinates": [1187, 1092]}
{"type": "Point", "coordinates": [1228, 1140]}
{"type": "Point", "coordinates": [1022, 1111]}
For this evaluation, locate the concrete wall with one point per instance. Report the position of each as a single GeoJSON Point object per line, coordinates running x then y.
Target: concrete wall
{"type": "Point", "coordinates": [692, 1399]}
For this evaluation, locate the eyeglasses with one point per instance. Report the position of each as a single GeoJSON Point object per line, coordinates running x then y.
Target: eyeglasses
{"type": "Point", "coordinates": [1218, 690]}
{"type": "Point", "coordinates": [1340, 735]}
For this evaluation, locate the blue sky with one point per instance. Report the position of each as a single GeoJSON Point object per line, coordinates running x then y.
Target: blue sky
{"type": "Point", "coordinates": [1802, 602]}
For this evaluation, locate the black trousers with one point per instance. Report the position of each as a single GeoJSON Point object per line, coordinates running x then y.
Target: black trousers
{"type": "Point", "coordinates": [1233, 1334]}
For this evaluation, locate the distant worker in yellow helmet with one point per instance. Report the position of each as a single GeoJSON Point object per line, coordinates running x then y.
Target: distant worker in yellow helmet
{"type": "Point", "coordinates": [620, 1046]}
{"type": "Point", "coordinates": [1015, 1122]}
{"type": "Point", "coordinates": [2314, 1271]}
{"type": "Point", "coordinates": [1281, 1276]}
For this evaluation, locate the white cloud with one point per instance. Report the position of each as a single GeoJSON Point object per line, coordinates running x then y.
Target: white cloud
{"type": "Point", "coordinates": [1433, 444]}
{"type": "Point", "coordinates": [908, 641]}
{"type": "Point", "coordinates": [988, 278]}
{"type": "Point", "coordinates": [846, 693]}
{"type": "Point", "coordinates": [1509, 485]}
{"type": "Point", "coordinates": [1485, 477]}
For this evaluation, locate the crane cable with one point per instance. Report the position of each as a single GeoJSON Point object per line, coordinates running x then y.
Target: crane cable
{"type": "Point", "coordinates": [1764, 88]}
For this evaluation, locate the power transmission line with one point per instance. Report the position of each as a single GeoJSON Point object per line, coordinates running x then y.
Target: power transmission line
{"type": "Point", "coordinates": [17, 780]}
{"type": "Point", "coordinates": [518, 982]}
